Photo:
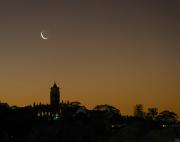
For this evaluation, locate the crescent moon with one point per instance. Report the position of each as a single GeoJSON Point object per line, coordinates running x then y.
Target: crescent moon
{"type": "Point", "coordinates": [43, 37]}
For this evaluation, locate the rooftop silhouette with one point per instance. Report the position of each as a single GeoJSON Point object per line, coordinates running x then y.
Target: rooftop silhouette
{"type": "Point", "coordinates": [104, 123]}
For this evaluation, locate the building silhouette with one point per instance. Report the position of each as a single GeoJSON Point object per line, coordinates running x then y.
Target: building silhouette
{"type": "Point", "coordinates": [55, 98]}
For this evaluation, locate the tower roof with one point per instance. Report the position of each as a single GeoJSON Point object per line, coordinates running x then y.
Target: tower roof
{"type": "Point", "coordinates": [55, 85]}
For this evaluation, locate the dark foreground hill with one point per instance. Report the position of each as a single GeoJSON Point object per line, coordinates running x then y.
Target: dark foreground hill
{"type": "Point", "coordinates": [87, 130]}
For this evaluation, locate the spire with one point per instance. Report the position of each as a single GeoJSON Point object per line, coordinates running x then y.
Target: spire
{"type": "Point", "coordinates": [55, 86]}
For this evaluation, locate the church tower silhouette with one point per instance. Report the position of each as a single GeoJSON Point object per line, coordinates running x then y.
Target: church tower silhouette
{"type": "Point", "coordinates": [55, 97]}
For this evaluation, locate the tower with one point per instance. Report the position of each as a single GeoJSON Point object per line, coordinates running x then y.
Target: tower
{"type": "Point", "coordinates": [55, 97]}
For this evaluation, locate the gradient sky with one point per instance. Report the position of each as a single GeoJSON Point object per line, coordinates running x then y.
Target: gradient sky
{"type": "Point", "coordinates": [106, 52]}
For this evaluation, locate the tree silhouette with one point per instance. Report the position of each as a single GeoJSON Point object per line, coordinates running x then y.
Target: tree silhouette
{"type": "Point", "coordinates": [167, 117]}
{"type": "Point", "coordinates": [112, 115]}
{"type": "Point", "coordinates": [138, 111]}
{"type": "Point", "coordinates": [107, 108]}
{"type": "Point", "coordinates": [152, 113]}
